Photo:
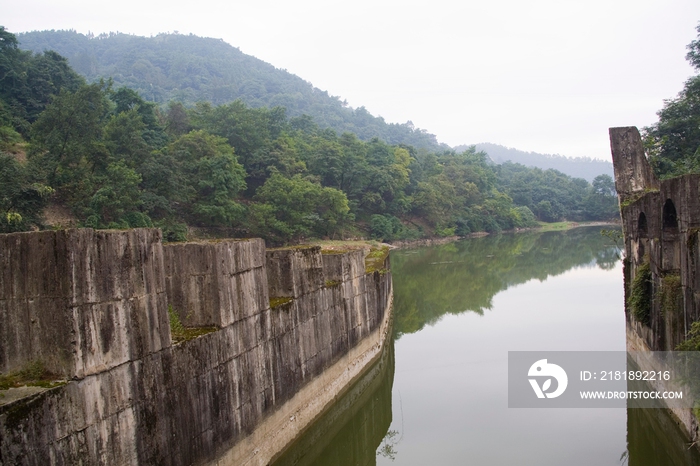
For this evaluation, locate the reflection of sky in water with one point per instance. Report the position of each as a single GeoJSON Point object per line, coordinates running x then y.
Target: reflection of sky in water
{"type": "Point", "coordinates": [452, 378]}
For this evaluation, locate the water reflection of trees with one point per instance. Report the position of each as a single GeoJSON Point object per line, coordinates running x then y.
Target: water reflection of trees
{"type": "Point", "coordinates": [465, 276]}
{"type": "Point", "coordinates": [356, 428]}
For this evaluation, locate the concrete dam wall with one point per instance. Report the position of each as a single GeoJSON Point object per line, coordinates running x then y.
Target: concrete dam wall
{"type": "Point", "coordinates": [661, 228]}
{"type": "Point", "coordinates": [292, 328]}
{"type": "Point", "coordinates": [661, 224]}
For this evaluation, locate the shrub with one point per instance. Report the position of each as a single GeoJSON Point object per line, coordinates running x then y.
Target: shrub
{"type": "Point", "coordinates": [639, 301]}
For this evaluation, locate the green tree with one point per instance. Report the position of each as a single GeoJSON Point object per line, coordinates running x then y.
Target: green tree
{"type": "Point", "coordinates": [67, 138]}
{"type": "Point", "coordinates": [207, 179]}
{"type": "Point", "coordinates": [386, 177]}
{"type": "Point", "coordinates": [28, 81]}
{"type": "Point", "coordinates": [296, 208]}
{"type": "Point", "coordinates": [124, 138]}
{"type": "Point", "coordinates": [177, 122]}
{"type": "Point", "coordinates": [673, 143]}
{"type": "Point", "coordinates": [549, 194]}
{"type": "Point", "coordinates": [127, 100]}
{"type": "Point", "coordinates": [385, 227]}
{"type": "Point", "coordinates": [117, 199]}
{"type": "Point", "coordinates": [250, 131]}
{"type": "Point", "coordinates": [601, 203]}
{"type": "Point", "coordinates": [21, 201]}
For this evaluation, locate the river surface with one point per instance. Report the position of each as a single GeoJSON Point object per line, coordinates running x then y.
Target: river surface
{"type": "Point", "coordinates": [439, 396]}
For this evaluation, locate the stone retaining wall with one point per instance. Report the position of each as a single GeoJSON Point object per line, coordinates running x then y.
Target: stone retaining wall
{"type": "Point", "coordinates": [135, 398]}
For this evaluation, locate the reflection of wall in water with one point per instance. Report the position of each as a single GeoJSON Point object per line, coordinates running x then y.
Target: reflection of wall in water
{"type": "Point", "coordinates": [352, 430]}
{"type": "Point", "coordinates": [654, 438]}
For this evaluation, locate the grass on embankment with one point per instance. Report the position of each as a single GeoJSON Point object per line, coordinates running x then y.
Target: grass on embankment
{"type": "Point", "coordinates": [340, 246]}
{"type": "Point", "coordinates": [373, 261]}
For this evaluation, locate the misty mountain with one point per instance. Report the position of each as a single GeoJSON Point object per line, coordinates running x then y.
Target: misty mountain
{"type": "Point", "coordinates": [189, 69]}
{"type": "Point", "coordinates": [578, 167]}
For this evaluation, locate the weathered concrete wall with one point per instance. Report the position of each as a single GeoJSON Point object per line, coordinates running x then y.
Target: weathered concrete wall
{"type": "Point", "coordinates": [660, 221]}
{"type": "Point", "coordinates": [285, 424]}
{"type": "Point", "coordinates": [632, 172]}
{"type": "Point", "coordinates": [645, 360]}
{"type": "Point", "coordinates": [81, 301]}
{"type": "Point", "coordinates": [221, 398]}
{"type": "Point", "coordinates": [294, 272]}
{"type": "Point", "coordinates": [661, 226]}
{"type": "Point", "coordinates": [216, 283]}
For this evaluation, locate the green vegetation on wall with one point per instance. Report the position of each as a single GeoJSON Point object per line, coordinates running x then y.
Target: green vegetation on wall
{"type": "Point", "coordinates": [33, 374]}
{"type": "Point", "coordinates": [671, 294]}
{"type": "Point", "coordinates": [692, 342]}
{"type": "Point", "coordinates": [640, 296]}
{"type": "Point", "coordinates": [180, 333]}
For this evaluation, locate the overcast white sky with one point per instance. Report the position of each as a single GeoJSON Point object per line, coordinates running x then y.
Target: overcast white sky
{"type": "Point", "coordinates": [539, 75]}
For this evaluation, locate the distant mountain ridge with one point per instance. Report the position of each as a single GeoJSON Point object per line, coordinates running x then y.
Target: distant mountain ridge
{"type": "Point", "coordinates": [188, 68]}
{"type": "Point", "coordinates": [578, 167]}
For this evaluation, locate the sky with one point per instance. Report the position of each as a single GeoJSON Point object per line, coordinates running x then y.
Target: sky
{"type": "Point", "coordinates": [548, 76]}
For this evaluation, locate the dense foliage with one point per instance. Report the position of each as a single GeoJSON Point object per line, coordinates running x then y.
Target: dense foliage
{"type": "Point", "coordinates": [553, 196]}
{"type": "Point", "coordinates": [27, 81]}
{"type": "Point", "coordinates": [118, 161]}
{"type": "Point", "coordinates": [673, 143]}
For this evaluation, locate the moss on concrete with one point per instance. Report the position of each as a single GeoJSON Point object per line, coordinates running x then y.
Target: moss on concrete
{"type": "Point", "coordinates": [374, 262]}
{"type": "Point", "coordinates": [276, 302]}
{"type": "Point", "coordinates": [180, 333]}
{"type": "Point", "coordinates": [33, 374]}
{"type": "Point", "coordinates": [640, 297]}
{"type": "Point", "coordinates": [671, 294]}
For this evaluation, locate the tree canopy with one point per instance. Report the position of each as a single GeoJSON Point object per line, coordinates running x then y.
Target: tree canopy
{"type": "Point", "coordinates": [673, 143]}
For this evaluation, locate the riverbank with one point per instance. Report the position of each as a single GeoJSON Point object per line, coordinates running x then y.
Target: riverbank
{"type": "Point", "coordinates": [543, 226]}
{"type": "Point", "coordinates": [331, 246]}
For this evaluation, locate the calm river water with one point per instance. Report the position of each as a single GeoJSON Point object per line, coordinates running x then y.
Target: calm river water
{"type": "Point", "coordinates": [439, 394]}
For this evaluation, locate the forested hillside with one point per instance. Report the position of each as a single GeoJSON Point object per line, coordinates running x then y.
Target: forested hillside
{"type": "Point", "coordinates": [116, 160]}
{"type": "Point", "coordinates": [578, 167]}
{"type": "Point", "coordinates": [192, 69]}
